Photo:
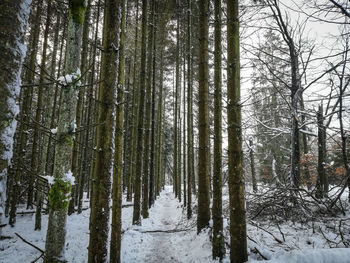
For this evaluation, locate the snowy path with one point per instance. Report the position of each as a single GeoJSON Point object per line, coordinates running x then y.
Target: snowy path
{"type": "Point", "coordinates": [163, 247]}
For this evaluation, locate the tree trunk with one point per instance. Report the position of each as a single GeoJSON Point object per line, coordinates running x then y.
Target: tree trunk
{"type": "Point", "coordinates": [136, 220]}
{"type": "Point", "coordinates": [252, 165]}
{"type": "Point", "coordinates": [101, 177]}
{"type": "Point", "coordinates": [160, 123]}
{"type": "Point", "coordinates": [203, 119]}
{"type": "Point", "coordinates": [118, 153]}
{"type": "Point", "coordinates": [146, 153]}
{"type": "Point", "coordinates": [79, 110]}
{"type": "Point", "coordinates": [190, 168]}
{"type": "Point", "coordinates": [218, 237]}
{"type": "Point", "coordinates": [321, 186]}
{"type": "Point", "coordinates": [153, 117]}
{"type": "Point", "coordinates": [31, 79]}
{"type": "Point", "coordinates": [38, 117]}
{"type": "Point", "coordinates": [135, 100]}
{"type": "Point", "coordinates": [238, 231]}
{"type": "Point", "coordinates": [13, 20]}
{"type": "Point", "coordinates": [60, 191]}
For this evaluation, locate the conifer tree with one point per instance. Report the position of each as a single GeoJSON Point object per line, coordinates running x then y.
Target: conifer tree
{"type": "Point", "coordinates": [60, 191]}
{"type": "Point", "coordinates": [13, 19]}
{"type": "Point", "coordinates": [103, 169]}
{"type": "Point", "coordinates": [218, 237]}
{"type": "Point", "coordinates": [136, 220]}
{"type": "Point", "coordinates": [203, 119]}
{"type": "Point", "coordinates": [238, 231]}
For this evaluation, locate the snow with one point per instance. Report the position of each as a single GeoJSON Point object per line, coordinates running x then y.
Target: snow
{"type": "Point", "coordinates": [50, 179]}
{"type": "Point", "coordinates": [151, 242]}
{"type": "Point", "coordinates": [166, 214]}
{"type": "Point", "coordinates": [336, 255]}
{"type": "Point", "coordinates": [69, 78]}
{"type": "Point", "coordinates": [182, 246]}
{"type": "Point", "coordinates": [68, 177]}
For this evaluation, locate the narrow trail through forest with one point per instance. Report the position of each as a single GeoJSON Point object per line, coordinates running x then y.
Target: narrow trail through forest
{"type": "Point", "coordinates": [166, 236]}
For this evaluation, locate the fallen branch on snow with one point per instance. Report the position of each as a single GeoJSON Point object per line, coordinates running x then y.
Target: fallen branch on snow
{"type": "Point", "coordinates": [164, 231]}
{"type": "Point", "coordinates": [25, 241]}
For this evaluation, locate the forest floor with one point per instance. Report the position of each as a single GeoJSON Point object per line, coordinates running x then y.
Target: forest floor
{"type": "Point", "coordinates": [167, 236]}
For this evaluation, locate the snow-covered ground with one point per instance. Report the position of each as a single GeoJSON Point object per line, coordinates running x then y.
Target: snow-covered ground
{"type": "Point", "coordinates": [151, 243]}
{"type": "Point", "coordinates": [167, 236]}
{"type": "Point", "coordinates": [137, 246]}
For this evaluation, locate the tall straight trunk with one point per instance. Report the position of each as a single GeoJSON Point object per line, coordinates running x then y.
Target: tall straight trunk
{"type": "Point", "coordinates": [127, 123]}
{"type": "Point", "coordinates": [116, 232]}
{"type": "Point", "coordinates": [127, 109]}
{"type": "Point", "coordinates": [184, 130]}
{"type": "Point", "coordinates": [24, 117]}
{"type": "Point", "coordinates": [13, 20]}
{"type": "Point", "coordinates": [305, 145]}
{"type": "Point", "coordinates": [294, 174]}
{"type": "Point", "coordinates": [203, 119]}
{"type": "Point", "coordinates": [160, 122]}
{"type": "Point", "coordinates": [190, 169]}
{"type": "Point", "coordinates": [90, 132]}
{"type": "Point", "coordinates": [79, 110]}
{"type": "Point", "coordinates": [343, 135]}
{"type": "Point", "coordinates": [51, 94]}
{"type": "Point", "coordinates": [31, 80]}
{"type": "Point", "coordinates": [153, 117]}
{"type": "Point", "coordinates": [146, 153]}
{"type": "Point", "coordinates": [56, 102]}
{"type": "Point", "coordinates": [135, 100]}
{"type": "Point", "coordinates": [38, 117]}
{"type": "Point", "coordinates": [136, 220]}
{"type": "Point", "coordinates": [238, 228]}
{"type": "Point", "coordinates": [84, 137]}
{"type": "Point", "coordinates": [252, 165]}
{"type": "Point", "coordinates": [176, 95]}
{"type": "Point", "coordinates": [321, 186]}
{"type": "Point", "coordinates": [101, 177]}
{"type": "Point", "coordinates": [218, 237]}
{"type": "Point", "coordinates": [60, 191]}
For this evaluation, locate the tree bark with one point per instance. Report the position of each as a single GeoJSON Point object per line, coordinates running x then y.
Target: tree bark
{"type": "Point", "coordinates": [238, 228]}
{"type": "Point", "coordinates": [13, 20]}
{"type": "Point", "coordinates": [118, 153]}
{"type": "Point", "coordinates": [218, 237]}
{"type": "Point", "coordinates": [60, 191]}
{"type": "Point", "coordinates": [136, 220]}
{"type": "Point", "coordinates": [190, 168]}
{"type": "Point", "coordinates": [203, 119]}
{"type": "Point", "coordinates": [146, 152]}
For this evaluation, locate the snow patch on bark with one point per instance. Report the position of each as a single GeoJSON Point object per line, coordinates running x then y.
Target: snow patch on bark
{"type": "Point", "coordinates": [70, 78]}
{"type": "Point", "coordinates": [68, 177]}
{"type": "Point", "coordinates": [6, 137]}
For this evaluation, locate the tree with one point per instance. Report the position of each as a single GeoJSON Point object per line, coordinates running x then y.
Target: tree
{"type": "Point", "coordinates": [190, 166]}
{"type": "Point", "coordinates": [136, 220]}
{"type": "Point", "coordinates": [102, 173]}
{"type": "Point", "coordinates": [203, 119]}
{"type": "Point", "coordinates": [295, 90]}
{"type": "Point", "coordinates": [38, 116]}
{"type": "Point", "coordinates": [238, 231]}
{"type": "Point", "coordinates": [176, 172]}
{"type": "Point", "coordinates": [24, 116]}
{"type": "Point", "coordinates": [218, 237]}
{"type": "Point", "coordinates": [13, 18]}
{"type": "Point", "coordinates": [146, 153]}
{"type": "Point", "coordinates": [118, 153]}
{"type": "Point", "coordinates": [60, 191]}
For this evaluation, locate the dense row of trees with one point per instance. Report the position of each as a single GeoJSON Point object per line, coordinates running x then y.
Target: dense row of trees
{"type": "Point", "coordinates": [140, 101]}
